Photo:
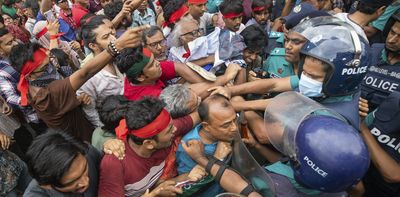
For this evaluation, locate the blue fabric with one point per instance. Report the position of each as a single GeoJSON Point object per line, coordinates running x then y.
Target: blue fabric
{"type": "Point", "coordinates": [185, 163]}
{"type": "Point", "coordinates": [69, 33]}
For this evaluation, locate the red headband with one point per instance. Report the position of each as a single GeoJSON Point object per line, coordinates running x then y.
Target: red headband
{"type": "Point", "coordinates": [232, 15]}
{"type": "Point", "coordinates": [148, 131]}
{"type": "Point", "coordinates": [260, 8]}
{"type": "Point", "coordinates": [41, 33]}
{"type": "Point", "coordinates": [27, 69]}
{"type": "Point", "coordinates": [197, 1]}
{"type": "Point", "coordinates": [177, 15]}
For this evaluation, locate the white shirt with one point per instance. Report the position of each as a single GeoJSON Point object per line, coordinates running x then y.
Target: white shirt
{"type": "Point", "coordinates": [345, 17]}
{"type": "Point", "coordinates": [199, 48]}
{"type": "Point", "coordinates": [98, 87]}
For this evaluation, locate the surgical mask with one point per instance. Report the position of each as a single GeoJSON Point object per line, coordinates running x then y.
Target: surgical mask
{"type": "Point", "coordinates": [49, 75]}
{"type": "Point", "coordinates": [310, 87]}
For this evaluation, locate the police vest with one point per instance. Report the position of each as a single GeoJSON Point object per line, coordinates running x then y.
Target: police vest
{"type": "Point", "coordinates": [386, 130]}
{"type": "Point", "coordinates": [348, 109]}
{"type": "Point", "coordinates": [381, 78]}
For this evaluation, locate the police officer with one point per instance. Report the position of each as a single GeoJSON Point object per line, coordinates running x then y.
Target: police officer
{"type": "Point", "coordinates": [333, 64]}
{"type": "Point", "coordinates": [283, 62]}
{"type": "Point", "coordinates": [383, 77]}
{"type": "Point", "coordinates": [323, 152]}
{"type": "Point", "coordinates": [381, 133]}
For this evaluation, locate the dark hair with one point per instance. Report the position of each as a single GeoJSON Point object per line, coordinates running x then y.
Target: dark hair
{"type": "Point", "coordinates": [371, 7]}
{"type": "Point", "coordinates": [1, 19]}
{"type": "Point", "coordinates": [231, 6]}
{"type": "Point", "coordinates": [204, 107]}
{"type": "Point", "coordinates": [51, 155]}
{"type": "Point", "coordinates": [150, 32]}
{"type": "Point", "coordinates": [170, 7]}
{"type": "Point", "coordinates": [22, 53]}
{"type": "Point", "coordinates": [254, 37]}
{"type": "Point", "coordinates": [389, 24]}
{"type": "Point", "coordinates": [112, 9]}
{"type": "Point", "coordinates": [3, 31]}
{"type": "Point", "coordinates": [126, 59]}
{"type": "Point", "coordinates": [141, 113]}
{"type": "Point", "coordinates": [88, 24]}
{"type": "Point", "coordinates": [112, 110]}
{"type": "Point", "coordinates": [262, 3]}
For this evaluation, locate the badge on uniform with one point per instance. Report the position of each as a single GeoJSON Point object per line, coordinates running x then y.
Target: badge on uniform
{"type": "Point", "coordinates": [297, 9]}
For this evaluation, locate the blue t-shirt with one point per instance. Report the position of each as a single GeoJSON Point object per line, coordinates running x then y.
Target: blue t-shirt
{"type": "Point", "coordinates": [185, 163]}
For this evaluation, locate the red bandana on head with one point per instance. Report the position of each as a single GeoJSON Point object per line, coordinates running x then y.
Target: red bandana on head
{"type": "Point", "coordinates": [148, 131]}
{"type": "Point", "coordinates": [177, 15]}
{"type": "Point", "coordinates": [27, 69]}
{"type": "Point", "coordinates": [232, 15]}
{"type": "Point", "coordinates": [197, 1]}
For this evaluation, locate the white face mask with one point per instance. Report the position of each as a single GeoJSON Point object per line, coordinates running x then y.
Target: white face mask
{"type": "Point", "coordinates": [310, 87]}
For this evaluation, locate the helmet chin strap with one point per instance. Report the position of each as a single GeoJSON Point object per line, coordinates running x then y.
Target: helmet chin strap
{"type": "Point", "coordinates": [357, 49]}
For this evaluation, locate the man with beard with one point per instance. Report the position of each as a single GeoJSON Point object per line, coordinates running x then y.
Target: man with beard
{"type": "Point", "coordinates": [96, 33]}
{"type": "Point", "coordinates": [154, 40]}
{"type": "Point", "coordinates": [384, 74]}
{"type": "Point", "coordinates": [149, 132]}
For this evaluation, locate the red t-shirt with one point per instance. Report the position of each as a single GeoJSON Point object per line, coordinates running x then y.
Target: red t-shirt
{"type": "Point", "coordinates": [78, 12]}
{"type": "Point", "coordinates": [133, 175]}
{"type": "Point", "coordinates": [136, 92]}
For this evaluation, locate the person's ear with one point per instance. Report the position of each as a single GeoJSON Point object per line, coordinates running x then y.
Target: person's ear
{"type": "Point", "coordinates": [2, 52]}
{"type": "Point", "coordinates": [149, 144]}
{"type": "Point", "coordinates": [205, 126]}
{"type": "Point", "coordinates": [141, 78]}
{"type": "Point", "coordinates": [93, 47]}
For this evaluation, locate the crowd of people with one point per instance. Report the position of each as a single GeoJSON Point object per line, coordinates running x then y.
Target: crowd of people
{"type": "Point", "coordinates": [149, 98]}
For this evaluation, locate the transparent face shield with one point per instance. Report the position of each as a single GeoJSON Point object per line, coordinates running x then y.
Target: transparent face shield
{"type": "Point", "coordinates": [328, 37]}
{"type": "Point", "coordinates": [283, 116]}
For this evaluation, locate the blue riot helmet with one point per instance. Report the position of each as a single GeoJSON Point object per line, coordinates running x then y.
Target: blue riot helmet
{"type": "Point", "coordinates": [340, 48]}
{"type": "Point", "coordinates": [325, 152]}
{"type": "Point", "coordinates": [331, 155]}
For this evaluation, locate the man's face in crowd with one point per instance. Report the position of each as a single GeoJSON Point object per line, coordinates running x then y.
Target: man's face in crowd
{"type": "Point", "coordinates": [143, 6]}
{"type": "Point", "coordinates": [314, 69]}
{"type": "Point", "coordinates": [261, 17]}
{"type": "Point", "coordinates": [250, 56]}
{"type": "Point", "coordinates": [76, 179]}
{"type": "Point", "coordinates": [197, 10]}
{"type": "Point", "coordinates": [189, 32]}
{"type": "Point", "coordinates": [105, 2]}
{"type": "Point", "coordinates": [393, 38]}
{"type": "Point", "coordinates": [104, 34]}
{"type": "Point", "coordinates": [165, 137]}
{"type": "Point", "coordinates": [6, 43]}
{"type": "Point", "coordinates": [39, 70]}
{"type": "Point", "coordinates": [233, 24]}
{"type": "Point", "coordinates": [321, 4]}
{"type": "Point", "coordinates": [221, 123]}
{"type": "Point", "coordinates": [7, 20]}
{"type": "Point", "coordinates": [28, 13]}
{"type": "Point", "coordinates": [293, 44]}
{"type": "Point", "coordinates": [157, 45]}
{"type": "Point", "coordinates": [151, 72]}
{"type": "Point", "coordinates": [64, 5]}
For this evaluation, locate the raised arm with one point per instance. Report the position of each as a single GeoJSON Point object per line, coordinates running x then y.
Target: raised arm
{"type": "Point", "coordinates": [131, 38]}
